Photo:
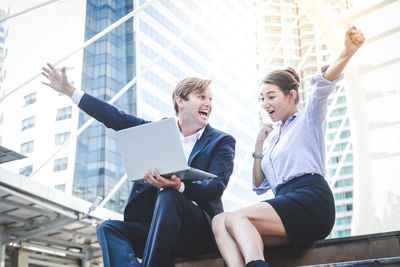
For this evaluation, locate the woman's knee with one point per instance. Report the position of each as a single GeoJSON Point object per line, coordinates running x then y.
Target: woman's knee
{"type": "Point", "coordinates": [218, 222]}
{"type": "Point", "coordinates": [233, 219]}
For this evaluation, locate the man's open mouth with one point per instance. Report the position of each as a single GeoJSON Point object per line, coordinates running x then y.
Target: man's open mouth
{"type": "Point", "coordinates": [203, 113]}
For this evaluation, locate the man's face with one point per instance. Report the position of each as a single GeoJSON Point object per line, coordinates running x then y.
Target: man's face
{"type": "Point", "coordinates": [197, 109]}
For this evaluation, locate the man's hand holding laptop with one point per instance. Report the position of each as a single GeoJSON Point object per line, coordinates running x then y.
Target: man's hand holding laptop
{"type": "Point", "coordinates": [159, 181]}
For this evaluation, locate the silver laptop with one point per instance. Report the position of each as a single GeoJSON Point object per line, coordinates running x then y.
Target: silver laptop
{"type": "Point", "coordinates": [156, 145]}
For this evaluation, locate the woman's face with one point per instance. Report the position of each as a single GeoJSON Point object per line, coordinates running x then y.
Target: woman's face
{"type": "Point", "coordinates": [278, 105]}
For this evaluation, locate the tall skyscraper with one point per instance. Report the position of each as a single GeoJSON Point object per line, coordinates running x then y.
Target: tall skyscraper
{"type": "Point", "coordinates": [287, 38]}
{"type": "Point", "coordinates": [108, 64]}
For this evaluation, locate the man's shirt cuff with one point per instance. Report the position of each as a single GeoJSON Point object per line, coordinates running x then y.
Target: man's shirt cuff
{"type": "Point", "coordinates": [77, 96]}
{"type": "Point", "coordinates": [182, 188]}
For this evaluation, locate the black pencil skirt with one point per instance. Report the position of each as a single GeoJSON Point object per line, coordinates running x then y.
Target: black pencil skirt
{"type": "Point", "coordinates": [306, 207]}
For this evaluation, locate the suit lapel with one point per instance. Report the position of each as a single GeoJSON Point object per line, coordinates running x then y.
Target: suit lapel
{"type": "Point", "coordinates": [204, 139]}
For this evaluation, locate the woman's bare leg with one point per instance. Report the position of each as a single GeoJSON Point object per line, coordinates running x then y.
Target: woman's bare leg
{"type": "Point", "coordinates": [247, 226]}
{"type": "Point", "coordinates": [226, 244]}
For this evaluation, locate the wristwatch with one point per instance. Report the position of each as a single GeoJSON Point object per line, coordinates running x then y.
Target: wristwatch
{"type": "Point", "coordinates": [256, 156]}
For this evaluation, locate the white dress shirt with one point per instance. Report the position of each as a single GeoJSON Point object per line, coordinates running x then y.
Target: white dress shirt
{"type": "Point", "coordinates": [298, 147]}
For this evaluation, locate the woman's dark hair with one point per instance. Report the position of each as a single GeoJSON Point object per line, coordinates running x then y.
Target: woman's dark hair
{"type": "Point", "coordinates": [286, 80]}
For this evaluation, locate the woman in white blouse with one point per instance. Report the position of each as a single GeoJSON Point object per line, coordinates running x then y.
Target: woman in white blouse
{"type": "Point", "coordinates": [289, 160]}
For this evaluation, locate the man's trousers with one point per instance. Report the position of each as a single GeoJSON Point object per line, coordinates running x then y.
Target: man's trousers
{"type": "Point", "coordinates": [178, 228]}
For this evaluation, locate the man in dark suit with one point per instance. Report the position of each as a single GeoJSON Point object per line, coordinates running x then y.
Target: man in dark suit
{"type": "Point", "coordinates": [166, 217]}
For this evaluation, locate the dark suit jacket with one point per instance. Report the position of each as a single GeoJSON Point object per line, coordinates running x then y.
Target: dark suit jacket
{"type": "Point", "coordinates": [213, 152]}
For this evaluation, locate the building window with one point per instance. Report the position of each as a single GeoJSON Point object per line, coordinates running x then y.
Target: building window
{"type": "Point", "coordinates": [26, 171]}
{"type": "Point", "coordinates": [60, 138]}
{"type": "Point", "coordinates": [338, 112]}
{"type": "Point", "coordinates": [346, 170]}
{"type": "Point", "coordinates": [64, 113]}
{"type": "Point", "coordinates": [325, 58]}
{"type": "Point", "coordinates": [60, 187]}
{"type": "Point", "coordinates": [341, 100]}
{"type": "Point", "coordinates": [344, 208]}
{"type": "Point", "coordinates": [349, 158]}
{"type": "Point", "coordinates": [343, 195]}
{"type": "Point", "coordinates": [343, 183]}
{"type": "Point", "coordinates": [27, 147]}
{"type": "Point", "coordinates": [28, 123]}
{"type": "Point", "coordinates": [340, 147]}
{"type": "Point", "coordinates": [334, 160]}
{"type": "Point", "coordinates": [60, 164]}
{"type": "Point", "coordinates": [30, 99]}
{"type": "Point", "coordinates": [334, 124]}
{"type": "Point", "coordinates": [343, 233]}
{"type": "Point", "coordinates": [344, 220]}
{"type": "Point", "coordinates": [345, 134]}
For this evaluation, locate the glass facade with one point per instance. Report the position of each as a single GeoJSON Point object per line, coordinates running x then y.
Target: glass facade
{"type": "Point", "coordinates": [108, 65]}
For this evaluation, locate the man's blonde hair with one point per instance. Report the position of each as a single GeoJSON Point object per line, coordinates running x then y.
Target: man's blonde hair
{"type": "Point", "coordinates": [186, 86]}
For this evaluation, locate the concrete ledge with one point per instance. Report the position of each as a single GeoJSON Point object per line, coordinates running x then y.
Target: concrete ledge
{"type": "Point", "coordinates": [207, 260]}
{"type": "Point", "coordinates": [330, 251]}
